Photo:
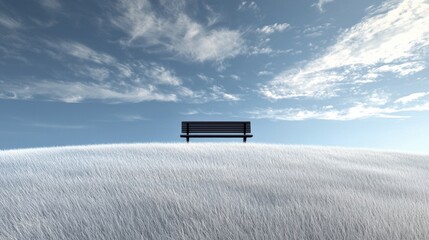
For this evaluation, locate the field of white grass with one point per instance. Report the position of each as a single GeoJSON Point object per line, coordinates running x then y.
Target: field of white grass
{"type": "Point", "coordinates": [212, 191]}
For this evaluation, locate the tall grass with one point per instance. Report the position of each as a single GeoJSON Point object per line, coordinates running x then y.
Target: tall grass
{"type": "Point", "coordinates": [212, 191]}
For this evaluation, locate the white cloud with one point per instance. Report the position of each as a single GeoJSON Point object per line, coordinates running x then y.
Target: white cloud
{"type": "Point", "coordinates": [43, 23]}
{"type": "Point", "coordinates": [315, 31]}
{"type": "Point", "coordinates": [57, 126]}
{"type": "Point", "coordinates": [9, 22]}
{"type": "Point", "coordinates": [298, 114]}
{"type": "Point", "coordinates": [104, 79]}
{"type": "Point", "coordinates": [402, 69]}
{"type": "Point", "coordinates": [412, 97]}
{"type": "Point", "coordinates": [248, 5]}
{"type": "Point", "coordinates": [358, 111]}
{"type": "Point", "coordinates": [320, 4]}
{"type": "Point", "coordinates": [391, 39]}
{"type": "Point", "coordinates": [264, 50]}
{"type": "Point", "coordinates": [132, 118]}
{"type": "Point", "coordinates": [235, 77]}
{"type": "Point", "coordinates": [107, 80]}
{"type": "Point", "coordinates": [81, 51]}
{"type": "Point", "coordinates": [260, 50]}
{"type": "Point", "coordinates": [96, 73]}
{"type": "Point", "coordinates": [377, 98]}
{"type": "Point", "coordinates": [377, 104]}
{"type": "Point", "coordinates": [216, 45]}
{"type": "Point", "coordinates": [219, 94]}
{"type": "Point", "coordinates": [177, 33]}
{"type": "Point", "coordinates": [212, 16]}
{"type": "Point", "coordinates": [214, 93]}
{"type": "Point", "coordinates": [276, 27]}
{"type": "Point", "coordinates": [74, 92]}
{"type": "Point", "coordinates": [264, 73]}
{"type": "Point", "coordinates": [204, 77]}
{"type": "Point", "coordinates": [200, 112]}
{"type": "Point", "coordinates": [50, 4]}
{"type": "Point", "coordinates": [162, 75]}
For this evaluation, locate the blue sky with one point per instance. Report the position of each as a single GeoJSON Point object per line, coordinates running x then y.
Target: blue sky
{"type": "Point", "coordinates": [323, 72]}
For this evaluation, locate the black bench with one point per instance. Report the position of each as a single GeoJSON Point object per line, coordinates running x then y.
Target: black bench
{"type": "Point", "coordinates": [219, 129]}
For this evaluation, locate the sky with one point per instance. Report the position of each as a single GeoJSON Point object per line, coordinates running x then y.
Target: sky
{"type": "Point", "coordinates": [315, 72]}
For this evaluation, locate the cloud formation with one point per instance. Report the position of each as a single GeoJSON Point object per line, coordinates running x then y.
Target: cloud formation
{"type": "Point", "coordinates": [248, 5]}
{"type": "Point", "coordinates": [412, 97]}
{"type": "Point", "coordinates": [161, 75]}
{"type": "Point", "coordinates": [104, 79]}
{"type": "Point", "coordinates": [175, 31]}
{"type": "Point", "coordinates": [321, 3]}
{"type": "Point", "coordinates": [101, 77]}
{"type": "Point", "coordinates": [50, 4]}
{"type": "Point", "coordinates": [390, 40]}
{"type": "Point", "coordinates": [276, 27]}
{"type": "Point", "coordinates": [372, 106]}
{"type": "Point", "coordinates": [82, 51]}
{"type": "Point", "coordinates": [9, 22]}
{"type": "Point", "coordinates": [57, 126]}
{"type": "Point", "coordinates": [75, 92]}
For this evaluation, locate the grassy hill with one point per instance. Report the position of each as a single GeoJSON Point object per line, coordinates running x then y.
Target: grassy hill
{"type": "Point", "coordinates": [212, 191]}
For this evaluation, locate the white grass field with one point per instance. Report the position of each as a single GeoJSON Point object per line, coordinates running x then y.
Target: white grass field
{"type": "Point", "coordinates": [212, 191]}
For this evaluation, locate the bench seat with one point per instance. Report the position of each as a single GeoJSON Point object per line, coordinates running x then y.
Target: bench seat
{"type": "Point", "coordinates": [216, 136]}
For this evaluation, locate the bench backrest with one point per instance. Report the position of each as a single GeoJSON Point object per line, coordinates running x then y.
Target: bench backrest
{"type": "Point", "coordinates": [215, 127]}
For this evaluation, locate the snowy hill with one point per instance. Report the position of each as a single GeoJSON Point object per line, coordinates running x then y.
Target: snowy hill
{"type": "Point", "coordinates": [212, 191]}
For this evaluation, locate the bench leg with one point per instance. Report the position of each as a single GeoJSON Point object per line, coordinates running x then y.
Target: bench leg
{"type": "Point", "coordinates": [244, 139]}
{"type": "Point", "coordinates": [187, 140]}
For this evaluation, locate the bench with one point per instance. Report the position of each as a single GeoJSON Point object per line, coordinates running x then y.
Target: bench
{"type": "Point", "coordinates": [216, 129]}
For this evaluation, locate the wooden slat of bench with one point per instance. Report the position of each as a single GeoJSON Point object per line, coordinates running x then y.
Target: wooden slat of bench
{"type": "Point", "coordinates": [217, 136]}
{"type": "Point", "coordinates": [209, 127]}
{"type": "Point", "coordinates": [216, 130]}
{"type": "Point", "coordinates": [236, 126]}
{"type": "Point", "coordinates": [215, 121]}
{"type": "Point", "coordinates": [216, 127]}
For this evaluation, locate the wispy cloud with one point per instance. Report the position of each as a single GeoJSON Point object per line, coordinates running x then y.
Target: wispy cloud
{"type": "Point", "coordinates": [412, 97]}
{"type": "Point", "coordinates": [265, 50]}
{"type": "Point", "coordinates": [321, 3]}
{"type": "Point", "coordinates": [359, 111]}
{"type": "Point", "coordinates": [101, 77]}
{"type": "Point", "coordinates": [204, 77]}
{"type": "Point", "coordinates": [74, 92]}
{"type": "Point", "coordinates": [219, 93]}
{"type": "Point", "coordinates": [264, 73]}
{"type": "Point", "coordinates": [162, 75]}
{"type": "Point", "coordinates": [57, 126]}
{"type": "Point", "coordinates": [248, 5]}
{"type": "Point", "coordinates": [200, 112]}
{"type": "Point", "coordinates": [315, 31]}
{"type": "Point", "coordinates": [96, 73]}
{"type": "Point", "coordinates": [378, 105]}
{"type": "Point", "coordinates": [177, 33]}
{"type": "Point", "coordinates": [132, 118]}
{"type": "Point", "coordinates": [276, 27]}
{"type": "Point", "coordinates": [260, 50]}
{"type": "Point", "coordinates": [214, 93]}
{"type": "Point", "coordinates": [50, 4]}
{"type": "Point", "coordinates": [235, 77]}
{"type": "Point", "coordinates": [104, 78]}
{"type": "Point", "coordinates": [9, 22]}
{"type": "Point", "coordinates": [81, 51]}
{"type": "Point", "coordinates": [392, 39]}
